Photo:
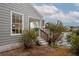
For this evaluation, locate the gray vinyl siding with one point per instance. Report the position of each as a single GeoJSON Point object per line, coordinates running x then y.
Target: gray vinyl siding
{"type": "Point", "coordinates": [5, 20]}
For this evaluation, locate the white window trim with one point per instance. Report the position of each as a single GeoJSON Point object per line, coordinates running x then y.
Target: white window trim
{"type": "Point", "coordinates": [22, 23]}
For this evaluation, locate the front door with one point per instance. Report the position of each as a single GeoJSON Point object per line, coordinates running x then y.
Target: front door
{"type": "Point", "coordinates": [34, 24]}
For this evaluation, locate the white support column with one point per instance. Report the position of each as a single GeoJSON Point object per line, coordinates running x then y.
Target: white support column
{"type": "Point", "coordinates": [39, 28]}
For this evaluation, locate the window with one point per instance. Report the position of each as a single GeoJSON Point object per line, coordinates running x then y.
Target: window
{"type": "Point", "coordinates": [16, 23]}
{"type": "Point", "coordinates": [34, 23]}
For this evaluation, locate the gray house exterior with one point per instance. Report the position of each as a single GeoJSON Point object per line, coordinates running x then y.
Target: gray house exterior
{"type": "Point", "coordinates": [8, 40]}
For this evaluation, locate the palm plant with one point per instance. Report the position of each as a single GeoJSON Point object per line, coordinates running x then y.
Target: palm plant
{"type": "Point", "coordinates": [55, 30]}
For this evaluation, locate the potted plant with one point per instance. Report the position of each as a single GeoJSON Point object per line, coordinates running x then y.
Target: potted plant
{"type": "Point", "coordinates": [28, 37]}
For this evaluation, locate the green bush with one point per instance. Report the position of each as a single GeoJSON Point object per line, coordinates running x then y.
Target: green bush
{"type": "Point", "coordinates": [28, 37]}
{"type": "Point", "coordinates": [75, 43]}
{"type": "Point", "coordinates": [77, 31]}
{"type": "Point", "coordinates": [37, 31]}
{"type": "Point", "coordinates": [68, 38]}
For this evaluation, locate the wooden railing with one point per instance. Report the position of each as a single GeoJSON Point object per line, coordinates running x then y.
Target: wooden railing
{"type": "Point", "coordinates": [44, 35]}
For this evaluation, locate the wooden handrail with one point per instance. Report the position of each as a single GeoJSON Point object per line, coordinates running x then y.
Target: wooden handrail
{"type": "Point", "coordinates": [44, 35]}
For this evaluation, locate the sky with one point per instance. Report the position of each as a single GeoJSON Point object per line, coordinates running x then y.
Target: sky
{"type": "Point", "coordinates": [68, 13]}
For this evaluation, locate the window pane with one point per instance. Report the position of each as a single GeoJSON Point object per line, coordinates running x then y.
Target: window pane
{"type": "Point", "coordinates": [17, 31]}
{"type": "Point", "coordinates": [20, 19]}
{"type": "Point", "coordinates": [20, 23]}
{"type": "Point", "coordinates": [17, 26]}
{"type": "Point", "coordinates": [13, 31]}
{"type": "Point", "coordinates": [13, 25]}
{"type": "Point", "coordinates": [13, 18]}
{"type": "Point", "coordinates": [17, 18]}
{"type": "Point", "coordinates": [21, 28]}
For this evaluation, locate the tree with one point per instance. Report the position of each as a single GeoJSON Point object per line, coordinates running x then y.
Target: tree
{"type": "Point", "coordinates": [55, 30]}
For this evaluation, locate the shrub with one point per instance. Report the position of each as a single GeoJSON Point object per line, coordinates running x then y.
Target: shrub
{"type": "Point", "coordinates": [68, 38]}
{"type": "Point", "coordinates": [77, 31]}
{"type": "Point", "coordinates": [75, 43]}
{"type": "Point", "coordinates": [28, 37]}
{"type": "Point", "coordinates": [55, 30]}
{"type": "Point", "coordinates": [36, 30]}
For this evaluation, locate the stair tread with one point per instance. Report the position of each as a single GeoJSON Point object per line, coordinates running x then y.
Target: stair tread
{"type": "Point", "coordinates": [42, 41]}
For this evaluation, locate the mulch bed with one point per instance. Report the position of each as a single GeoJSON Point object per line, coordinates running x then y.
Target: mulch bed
{"type": "Point", "coordinates": [37, 51]}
